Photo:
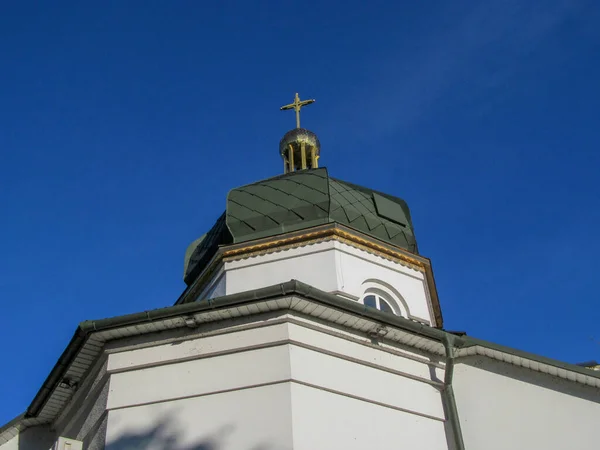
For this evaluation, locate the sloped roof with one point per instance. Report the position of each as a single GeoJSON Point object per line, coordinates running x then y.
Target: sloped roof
{"type": "Point", "coordinates": [307, 198]}
{"type": "Point", "coordinates": [199, 252]}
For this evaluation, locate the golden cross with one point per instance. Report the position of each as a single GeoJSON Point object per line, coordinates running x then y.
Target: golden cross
{"type": "Point", "coordinates": [296, 107]}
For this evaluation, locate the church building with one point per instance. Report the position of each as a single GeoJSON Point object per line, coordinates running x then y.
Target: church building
{"type": "Point", "coordinates": [309, 321]}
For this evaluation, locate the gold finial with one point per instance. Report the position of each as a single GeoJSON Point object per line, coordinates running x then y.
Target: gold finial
{"type": "Point", "coordinates": [296, 107]}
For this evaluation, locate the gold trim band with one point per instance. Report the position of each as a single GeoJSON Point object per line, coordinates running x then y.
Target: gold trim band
{"type": "Point", "coordinates": [337, 234]}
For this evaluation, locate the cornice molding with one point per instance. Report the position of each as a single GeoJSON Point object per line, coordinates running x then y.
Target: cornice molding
{"type": "Point", "coordinates": [345, 236]}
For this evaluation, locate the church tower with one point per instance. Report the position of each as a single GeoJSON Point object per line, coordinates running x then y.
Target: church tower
{"type": "Point", "coordinates": [309, 321]}
{"type": "Point", "coordinates": [345, 239]}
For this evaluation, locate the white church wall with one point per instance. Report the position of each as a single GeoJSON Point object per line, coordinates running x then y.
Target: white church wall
{"type": "Point", "coordinates": [141, 353]}
{"type": "Point", "coordinates": [199, 377]}
{"type": "Point", "coordinates": [502, 406]}
{"type": "Point", "coordinates": [369, 394]}
{"type": "Point", "coordinates": [12, 444]}
{"type": "Point", "coordinates": [224, 385]}
{"type": "Point", "coordinates": [216, 287]}
{"type": "Point", "coordinates": [139, 368]}
{"type": "Point", "coordinates": [342, 422]}
{"type": "Point", "coordinates": [313, 264]}
{"type": "Point", "coordinates": [248, 419]}
{"type": "Point", "coordinates": [170, 376]}
{"type": "Point", "coordinates": [333, 267]}
{"type": "Point", "coordinates": [358, 270]}
{"type": "Point", "coordinates": [360, 352]}
{"type": "Point", "coordinates": [369, 383]}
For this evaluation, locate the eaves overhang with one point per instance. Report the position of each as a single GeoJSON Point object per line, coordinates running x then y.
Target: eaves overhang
{"type": "Point", "coordinates": [87, 344]}
{"type": "Point", "coordinates": [89, 338]}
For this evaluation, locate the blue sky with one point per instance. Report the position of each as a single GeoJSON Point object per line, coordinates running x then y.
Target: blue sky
{"type": "Point", "coordinates": [123, 127]}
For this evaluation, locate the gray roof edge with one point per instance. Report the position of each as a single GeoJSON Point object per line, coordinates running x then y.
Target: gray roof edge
{"type": "Point", "coordinates": [292, 287]}
{"type": "Point", "coordinates": [469, 341]}
{"type": "Point", "coordinates": [57, 372]}
{"type": "Point", "coordinates": [274, 291]}
{"type": "Point", "coordinates": [17, 422]}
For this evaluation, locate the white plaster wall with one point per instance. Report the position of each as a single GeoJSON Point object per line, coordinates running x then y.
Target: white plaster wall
{"type": "Point", "coordinates": [333, 267]}
{"type": "Point", "coordinates": [228, 390]}
{"type": "Point", "coordinates": [357, 266]}
{"type": "Point", "coordinates": [313, 264]}
{"type": "Point", "coordinates": [13, 444]}
{"type": "Point", "coordinates": [216, 288]}
{"type": "Point", "coordinates": [354, 351]}
{"type": "Point", "coordinates": [246, 388]}
{"type": "Point", "coordinates": [248, 419]}
{"type": "Point", "coordinates": [324, 420]}
{"type": "Point", "coordinates": [199, 377]}
{"type": "Point", "coordinates": [506, 407]}
{"type": "Point", "coordinates": [197, 345]}
{"type": "Point", "coordinates": [367, 383]}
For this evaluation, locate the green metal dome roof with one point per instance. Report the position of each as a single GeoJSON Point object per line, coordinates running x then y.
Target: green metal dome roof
{"type": "Point", "coordinates": [299, 200]}
{"type": "Point", "coordinates": [308, 198]}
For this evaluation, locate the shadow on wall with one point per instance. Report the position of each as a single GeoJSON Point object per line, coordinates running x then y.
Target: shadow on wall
{"type": "Point", "coordinates": [40, 437]}
{"type": "Point", "coordinates": [165, 436]}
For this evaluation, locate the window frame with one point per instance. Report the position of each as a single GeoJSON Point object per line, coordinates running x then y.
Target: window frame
{"type": "Point", "coordinates": [380, 297]}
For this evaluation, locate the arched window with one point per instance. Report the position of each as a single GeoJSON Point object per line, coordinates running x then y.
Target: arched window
{"type": "Point", "coordinates": [378, 302]}
{"type": "Point", "coordinates": [382, 296]}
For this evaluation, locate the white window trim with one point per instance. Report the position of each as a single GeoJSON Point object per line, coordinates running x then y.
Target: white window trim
{"type": "Point", "coordinates": [387, 293]}
{"type": "Point", "coordinates": [381, 295]}
{"type": "Point", "coordinates": [378, 300]}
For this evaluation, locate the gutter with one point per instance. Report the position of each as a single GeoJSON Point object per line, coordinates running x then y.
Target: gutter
{"type": "Point", "coordinates": [293, 287]}
{"type": "Point", "coordinates": [16, 422]}
{"type": "Point", "coordinates": [57, 373]}
{"type": "Point", "coordinates": [448, 392]}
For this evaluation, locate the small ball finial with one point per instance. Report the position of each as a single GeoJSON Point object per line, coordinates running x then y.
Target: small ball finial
{"type": "Point", "coordinates": [299, 148]}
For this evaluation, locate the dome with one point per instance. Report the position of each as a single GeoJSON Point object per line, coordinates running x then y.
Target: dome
{"type": "Point", "coordinates": [304, 199]}
{"type": "Point", "coordinates": [300, 136]}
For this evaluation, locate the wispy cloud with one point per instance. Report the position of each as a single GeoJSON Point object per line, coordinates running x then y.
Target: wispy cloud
{"type": "Point", "coordinates": [478, 54]}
